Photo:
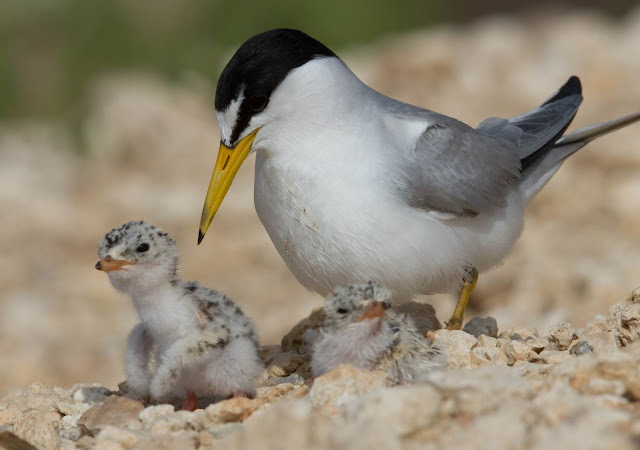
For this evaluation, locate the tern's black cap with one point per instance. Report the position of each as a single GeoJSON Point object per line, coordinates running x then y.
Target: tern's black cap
{"type": "Point", "coordinates": [259, 66]}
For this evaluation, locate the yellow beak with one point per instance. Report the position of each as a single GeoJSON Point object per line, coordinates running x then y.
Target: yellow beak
{"type": "Point", "coordinates": [227, 165]}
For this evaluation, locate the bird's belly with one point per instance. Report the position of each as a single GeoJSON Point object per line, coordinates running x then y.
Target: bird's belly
{"type": "Point", "coordinates": [329, 237]}
{"type": "Point", "coordinates": [490, 238]}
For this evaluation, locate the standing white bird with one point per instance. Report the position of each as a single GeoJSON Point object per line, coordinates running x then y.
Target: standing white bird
{"type": "Point", "coordinates": [354, 186]}
{"type": "Point", "coordinates": [360, 329]}
{"type": "Point", "coordinates": [191, 341]}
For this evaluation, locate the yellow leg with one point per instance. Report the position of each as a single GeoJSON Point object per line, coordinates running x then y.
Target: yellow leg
{"type": "Point", "coordinates": [455, 323]}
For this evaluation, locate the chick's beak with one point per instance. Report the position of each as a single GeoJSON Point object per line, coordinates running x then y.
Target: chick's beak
{"type": "Point", "coordinates": [375, 311]}
{"type": "Point", "coordinates": [227, 165]}
{"type": "Point", "coordinates": [108, 264]}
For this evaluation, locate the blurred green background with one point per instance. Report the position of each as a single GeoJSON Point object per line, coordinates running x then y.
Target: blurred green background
{"type": "Point", "coordinates": [51, 49]}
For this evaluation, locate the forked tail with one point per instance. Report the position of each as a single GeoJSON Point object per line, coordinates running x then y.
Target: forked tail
{"type": "Point", "coordinates": [536, 175]}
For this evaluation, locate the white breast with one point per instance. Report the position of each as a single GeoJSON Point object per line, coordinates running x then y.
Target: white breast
{"type": "Point", "coordinates": [359, 344]}
{"type": "Point", "coordinates": [334, 220]}
{"type": "Point", "coordinates": [166, 316]}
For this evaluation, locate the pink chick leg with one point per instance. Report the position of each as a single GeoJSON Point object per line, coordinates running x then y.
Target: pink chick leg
{"type": "Point", "coordinates": [190, 403]}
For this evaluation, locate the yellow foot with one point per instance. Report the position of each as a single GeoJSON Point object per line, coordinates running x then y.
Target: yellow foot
{"type": "Point", "coordinates": [455, 323]}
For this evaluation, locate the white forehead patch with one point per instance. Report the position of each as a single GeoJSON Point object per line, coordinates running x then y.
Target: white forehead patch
{"type": "Point", "coordinates": [227, 118]}
{"type": "Point", "coordinates": [115, 252]}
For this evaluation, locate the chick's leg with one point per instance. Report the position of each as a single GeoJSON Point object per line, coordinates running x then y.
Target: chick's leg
{"type": "Point", "coordinates": [239, 394]}
{"type": "Point", "coordinates": [455, 323]}
{"type": "Point", "coordinates": [190, 403]}
{"type": "Point", "coordinates": [139, 348]}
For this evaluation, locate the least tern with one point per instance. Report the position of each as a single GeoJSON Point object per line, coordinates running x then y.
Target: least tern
{"type": "Point", "coordinates": [361, 330]}
{"type": "Point", "coordinates": [353, 186]}
{"type": "Point", "coordinates": [201, 342]}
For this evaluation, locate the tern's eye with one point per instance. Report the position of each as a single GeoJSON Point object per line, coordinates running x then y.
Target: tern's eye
{"type": "Point", "coordinates": [256, 103]}
{"type": "Point", "coordinates": [342, 311]}
{"type": "Point", "coordinates": [142, 247]}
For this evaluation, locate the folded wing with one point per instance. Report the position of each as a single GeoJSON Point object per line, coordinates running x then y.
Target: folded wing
{"type": "Point", "coordinates": [457, 171]}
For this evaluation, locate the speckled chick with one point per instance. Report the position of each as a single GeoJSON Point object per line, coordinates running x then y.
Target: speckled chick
{"type": "Point", "coordinates": [361, 330]}
{"type": "Point", "coordinates": [191, 341]}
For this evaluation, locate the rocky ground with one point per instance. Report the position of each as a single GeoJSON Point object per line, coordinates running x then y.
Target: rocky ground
{"type": "Point", "coordinates": [566, 388]}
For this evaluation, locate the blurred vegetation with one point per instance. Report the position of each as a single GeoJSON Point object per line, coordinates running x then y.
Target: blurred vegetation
{"type": "Point", "coordinates": [51, 49]}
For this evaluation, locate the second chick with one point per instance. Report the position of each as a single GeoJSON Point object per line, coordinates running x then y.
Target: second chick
{"type": "Point", "coordinates": [361, 330]}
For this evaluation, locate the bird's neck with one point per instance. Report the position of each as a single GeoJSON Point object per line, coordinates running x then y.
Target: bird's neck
{"type": "Point", "coordinates": [142, 293]}
{"type": "Point", "coordinates": [320, 92]}
{"type": "Point", "coordinates": [163, 310]}
{"type": "Point", "coordinates": [325, 113]}
{"type": "Point", "coordinates": [147, 294]}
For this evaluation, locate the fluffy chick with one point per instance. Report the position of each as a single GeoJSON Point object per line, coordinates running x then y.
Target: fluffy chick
{"type": "Point", "coordinates": [191, 341]}
{"type": "Point", "coordinates": [361, 330]}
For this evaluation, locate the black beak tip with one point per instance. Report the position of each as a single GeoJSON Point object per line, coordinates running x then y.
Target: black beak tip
{"type": "Point", "coordinates": [200, 237]}
{"type": "Point", "coordinates": [386, 304]}
{"type": "Point", "coordinates": [98, 266]}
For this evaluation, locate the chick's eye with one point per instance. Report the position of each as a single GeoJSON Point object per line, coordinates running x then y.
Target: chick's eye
{"type": "Point", "coordinates": [341, 311]}
{"type": "Point", "coordinates": [257, 103]}
{"type": "Point", "coordinates": [142, 247]}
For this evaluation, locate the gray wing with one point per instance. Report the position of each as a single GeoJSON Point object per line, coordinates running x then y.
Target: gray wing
{"type": "Point", "coordinates": [458, 171]}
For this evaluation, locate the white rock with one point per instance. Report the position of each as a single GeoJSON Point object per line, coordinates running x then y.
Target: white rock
{"type": "Point", "coordinates": [177, 421]}
{"type": "Point", "coordinates": [151, 413]}
{"type": "Point", "coordinates": [562, 335]}
{"type": "Point", "coordinates": [488, 355]}
{"type": "Point", "coordinates": [600, 386]}
{"type": "Point", "coordinates": [603, 342]}
{"type": "Point", "coordinates": [456, 344]}
{"type": "Point", "coordinates": [537, 344]}
{"type": "Point", "coordinates": [554, 356]}
{"type": "Point", "coordinates": [69, 429]}
{"type": "Point", "coordinates": [485, 341]}
{"type": "Point", "coordinates": [114, 411]}
{"type": "Point", "coordinates": [401, 411]}
{"type": "Point", "coordinates": [586, 429]}
{"type": "Point", "coordinates": [473, 392]}
{"type": "Point", "coordinates": [488, 430]}
{"type": "Point", "coordinates": [110, 435]}
{"type": "Point", "coordinates": [67, 444]}
{"type": "Point", "coordinates": [524, 333]}
{"type": "Point", "coordinates": [343, 384]}
{"type": "Point", "coordinates": [232, 410]}
{"type": "Point", "coordinates": [288, 424]}
{"type": "Point", "coordinates": [519, 351]}
{"type": "Point", "coordinates": [39, 427]}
